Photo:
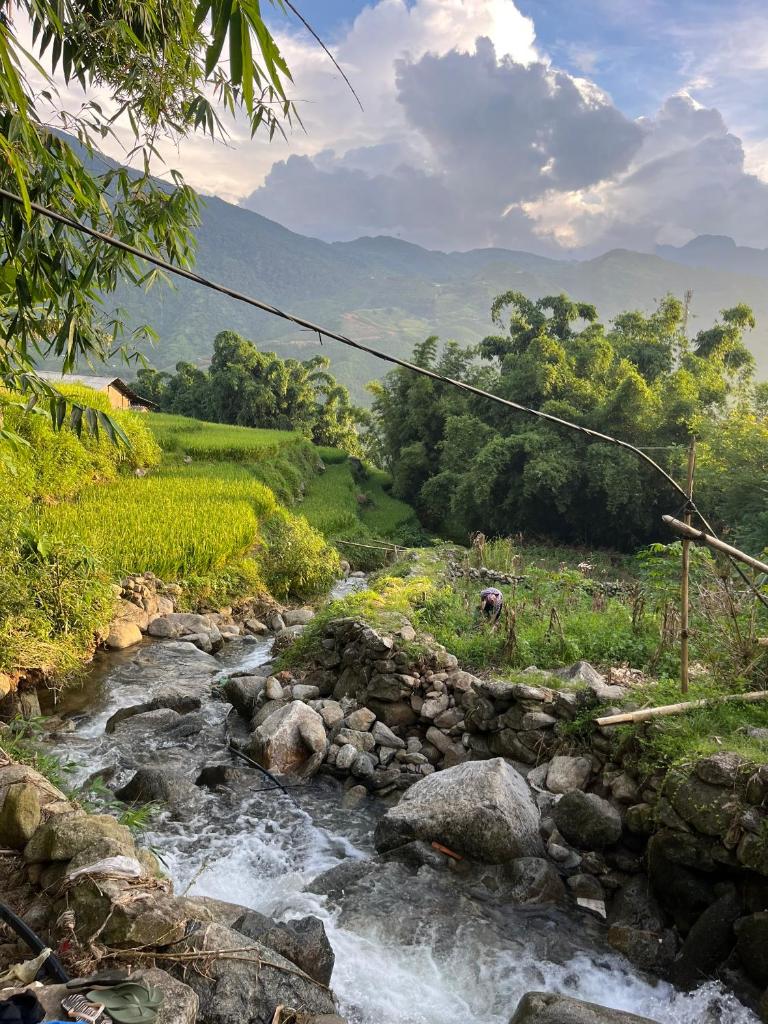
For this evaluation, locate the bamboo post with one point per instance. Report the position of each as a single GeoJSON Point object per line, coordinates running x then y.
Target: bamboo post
{"type": "Point", "coordinates": [684, 599]}
{"type": "Point", "coordinates": [678, 709]}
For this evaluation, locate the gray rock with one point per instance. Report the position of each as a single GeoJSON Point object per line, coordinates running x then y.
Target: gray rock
{"type": "Point", "coordinates": [587, 821]}
{"type": "Point", "coordinates": [292, 741]}
{"type": "Point", "coordinates": [123, 634]}
{"type": "Point", "coordinates": [636, 927]}
{"type": "Point", "coordinates": [147, 722]}
{"type": "Point", "coordinates": [548, 1008]}
{"type": "Point", "coordinates": [276, 622]}
{"type": "Point", "coordinates": [243, 988]}
{"type": "Point", "coordinates": [272, 689]}
{"type": "Point", "coordinates": [710, 809]}
{"type": "Point", "coordinates": [332, 714]}
{"type": "Point", "coordinates": [298, 616]}
{"type": "Point", "coordinates": [533, 880]}
{"type": "Point", "coordinates": [752, 946]}
{"type": "Point", "coordinates": [302, 941]}
{"type": "Point", "coordinates": [181, 703]}
{"type": "Point", "coordinates": [384, 736]}
{"type": "Point", "coordinates": [481, 808]}
{"type": "Point", "coordinates": [359, 740]}
{"type": "Point", "coordinates": [361, 720]}
{"type": "Point", "coordinates": [720, 769]}
{"type": "Point", "coordinates": [303, 692]}
{"type": "Point", "coordinates": [242, 693]}
{"type": "Point", "coordinates": [159, 785]}
{"type": "Point", "coordinates": [708, 944]}
{"type": "Point", "coordinates": [178, 624]}
{"type": "Point", "coordinates": [363, 765]}
{"type": "Point", "coordinates": [346, 756]}
{"type": "Point", "coordinates": [567, 773]}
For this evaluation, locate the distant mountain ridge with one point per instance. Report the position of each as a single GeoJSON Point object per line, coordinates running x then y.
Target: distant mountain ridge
{"type": "Point", "coordinates": [394, 293]}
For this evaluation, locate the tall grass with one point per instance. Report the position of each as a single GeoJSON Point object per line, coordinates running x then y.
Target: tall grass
{"type": "Point", "coordinates": [185, 436]}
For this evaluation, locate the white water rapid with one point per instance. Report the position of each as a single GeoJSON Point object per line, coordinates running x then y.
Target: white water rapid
{"type": "Point", "coordinates": [412, 947]}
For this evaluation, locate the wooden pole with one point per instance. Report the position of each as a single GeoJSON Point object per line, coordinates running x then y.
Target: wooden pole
{"type": "Point", "coordinates": [684, 601]}
{"type": "Point", "coordinates": [679, 709]}
{"type": "Point", "coordinates": [712, 542]}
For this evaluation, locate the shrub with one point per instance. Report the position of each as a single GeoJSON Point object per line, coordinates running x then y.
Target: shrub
{"type": "Point", "coordinates": [295, 558]}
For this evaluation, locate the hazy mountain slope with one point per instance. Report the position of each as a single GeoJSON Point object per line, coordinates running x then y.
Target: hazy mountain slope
{"type": "Point", "coordinates": [393, 293]}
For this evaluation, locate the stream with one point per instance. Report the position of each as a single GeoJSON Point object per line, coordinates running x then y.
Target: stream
{"type": "Point", "coordinates": [412, 947]}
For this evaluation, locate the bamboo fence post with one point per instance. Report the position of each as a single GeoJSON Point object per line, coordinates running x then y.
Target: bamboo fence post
{"type": "Point", "coordinates": [684, 597]}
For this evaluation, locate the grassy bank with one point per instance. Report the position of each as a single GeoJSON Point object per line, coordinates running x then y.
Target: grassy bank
{"type": "Point", "coordinates": [77, 514]}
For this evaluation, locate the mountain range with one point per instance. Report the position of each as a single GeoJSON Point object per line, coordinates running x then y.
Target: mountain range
{"type": "Point", "coordinates": [392, 293]}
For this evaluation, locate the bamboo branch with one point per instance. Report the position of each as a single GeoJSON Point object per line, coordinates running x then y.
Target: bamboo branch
{"type": "Point", "coordinates": [691, 533]}
{"type": "Point", "coordinates": [679, 709]}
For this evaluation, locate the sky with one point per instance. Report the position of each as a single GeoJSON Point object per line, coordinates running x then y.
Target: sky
{"type": "Point", "coordinates": [547, 125]}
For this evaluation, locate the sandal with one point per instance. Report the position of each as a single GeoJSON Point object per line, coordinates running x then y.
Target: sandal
{"type": "Point", "coordinates": [90, 1011]}
{"type": "Point", "coordinates": [105, 979]}
{"type": "Point", "coordinates": [130, 1003]}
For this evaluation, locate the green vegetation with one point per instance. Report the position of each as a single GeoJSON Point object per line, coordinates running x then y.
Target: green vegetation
{"type": "Point", "coordinates": [76, 518]}
{"type": "Point", "coordinates": [470, 465]}
{"type": "Point", "coordinates": [258, 389]}
{"type": "Point", "coordinates": [350, 502]}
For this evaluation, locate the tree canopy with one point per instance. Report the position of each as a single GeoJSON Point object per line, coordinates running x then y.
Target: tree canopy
{"type": "Point", "coordinates": [250, 388]}
{"type": "Point", "coordinates": [468, 464]}
{"type": "Point", "coordinates": [148, 68]}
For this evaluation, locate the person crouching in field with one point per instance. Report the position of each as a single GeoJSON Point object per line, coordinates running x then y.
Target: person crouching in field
{"type": "Point", "coordinates": [491, 604]}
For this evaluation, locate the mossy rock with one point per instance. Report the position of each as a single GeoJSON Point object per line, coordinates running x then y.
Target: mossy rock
{"type": "Point", "coordinates": [20, 815]}
{"type": "Point", "coordinates": [67, 835]}
{"type": "Point", "coordinates": [710, 809]}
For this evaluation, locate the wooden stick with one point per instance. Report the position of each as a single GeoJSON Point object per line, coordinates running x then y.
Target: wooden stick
{"type": "Point", "coordinates": [679, 709]}
{"type": "Point", "coordinates": [684, 601]}
{"type": "Point", "coordinates": [712, 542]}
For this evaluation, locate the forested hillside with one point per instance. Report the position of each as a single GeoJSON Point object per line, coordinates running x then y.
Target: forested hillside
{"type": "Point", "coordinates": [394, 294]}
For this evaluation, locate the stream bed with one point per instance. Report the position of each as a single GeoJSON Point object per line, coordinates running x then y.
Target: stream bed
{"type": "Point", "coordinates": [412, 946]}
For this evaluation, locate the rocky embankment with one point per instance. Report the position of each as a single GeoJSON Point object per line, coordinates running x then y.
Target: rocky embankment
{"type": "Point", "coordinates": [493, 781]}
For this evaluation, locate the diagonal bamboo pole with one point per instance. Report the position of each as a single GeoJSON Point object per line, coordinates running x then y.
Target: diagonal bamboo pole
{"type": "Point", "coordinates": [700, 537]}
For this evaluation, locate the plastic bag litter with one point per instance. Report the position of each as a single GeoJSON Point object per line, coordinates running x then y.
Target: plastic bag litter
{"type": "Point", "coordinates": [125, 867]}
{"type": "Point", "coordinates": [26, 972]}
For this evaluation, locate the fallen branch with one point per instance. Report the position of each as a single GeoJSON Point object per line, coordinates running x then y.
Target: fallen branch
{"type": "Point", "coordinates": [679, 709]}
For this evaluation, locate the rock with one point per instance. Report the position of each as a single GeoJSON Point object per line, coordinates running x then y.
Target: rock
{"type": "Point", "coordinates": [624, 789]}
{"type": "Point", "coordinates": [481, 808]}
{"type": "Point", "coordinates": [276, 622]}
{"type": "Point", "coordinates": [298, 616]}
{"type": "Point", "coordinates": [585, 887]}
{"type": "Point", "coordinates": [354, 797]}
{"type": "Point", "coordinates": [384, 688]}
{"type": "Point", "coordinates": [123, 634]}
{"type": "Point", "coordinates": [397, 715]}
{"type": "Point", "coordinates": [533, 880]}
{"type": "Point", "coordinates": [179, 1005]}
{"type": "Point", "coordinates": [684, 893]}
{"type": "Point", "coordinates": [332, 714]}
{"type": "Point", "coordinates": [303, 692]}
{"type": "Point", "coordinates": [65, 835]}
{"type": "Point", "coordinates": [346, 756]}
{"type": "Point", "coordinates": [256, 627]}
{"type": "Point", "coordinates": [708, 944]}
{"type": "Point", "coordinates": [581, 672]}
{"type": "Point", "coordinates": [160, 785]}
{"type": "Point", "coordinates": [361, 720]}
{"type": "Point", "coordinates": [720, 769]}
{"type": "Point", "coordinates": [636, 927]}
{"type": "Point", "coordinates": [285, 637]}
{"type": "Point", "coordinates": [417, 854]}
{"type": "Point", "coordinates": [547, 1008]}
{"type": "Point", "coordinates": [568, 773]}
{"type": "Point", "coordinates": [587, 821]}
{"type": "Point", "coordinates": [242, 693]}
{"type": "Point", "coordinates": [214, 775]}
{"type": "Point", "coordinates": [292, 741]}
{"type": "Point", "coordinates": [20, 815]}
{"type": "Point", "coordinates": [710, 809]}
{"type": "Point", "coordinates": [752, 946]}
{"type": "Point", "coordinates": [127, 611]}
{"type": "Point", "coordinates": [181, 703]}
{"type": "Point", "coordinates": [267, 709]}
{"type": "Point", "coordinates": [439, 739]}
{"type": "Point", "coordinates": [302, 941]}
{"type": "Point", "coordinates": [435, 706]}
{"type": "Point", "coordinates": [384, 736]}
{"type": "Point", "coordinates": [272, 689]}
{"type": "Point", "coordinates": [363, 765]}
{"type": "Point", "coordinates": [142, 725]}
{"type": "Point", "coordinates": [359, 740]}
{"type": "Point", "coordinates": [243, 988]}
{"type": "Point", "coordinates": [178, 624]}
{"type": "Point", "coordinates": [407, 633]}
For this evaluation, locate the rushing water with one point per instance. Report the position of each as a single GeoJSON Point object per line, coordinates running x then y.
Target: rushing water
{"type": "Point", "coordinates": [412, 947]}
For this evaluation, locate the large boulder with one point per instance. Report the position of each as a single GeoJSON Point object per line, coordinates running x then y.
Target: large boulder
{"type": "Point", "coordinates": [291, 741]}
{"type": "Point", "coordinates": [548, 1008]}
{"type": "Point", "coordinates": [301, 941]}
{"type": "Point", "coordinates": [710, 809]}
{"type": "Point", "coordinates": [242, 693]}
{"type": "Point", "coordinates": [66, 835]}
{"type": "Point", "coordinates": [586, 820]}
{"type": "Point", "coordinates": [250, 984]}
{"type": "Point", "coordinates": [567, 773]}
{"type": "Point", "coordinates": [179, 1005]}
{"type": "Point", "coordinates": [482, 809]}
{"type": "Point", "coordinates": [179, 624]}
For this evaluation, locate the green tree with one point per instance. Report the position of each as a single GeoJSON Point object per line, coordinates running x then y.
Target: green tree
{"type": "Point", "coordinates": [167, 71]}
{"type": "Point", "coordinates": [468, 464]}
